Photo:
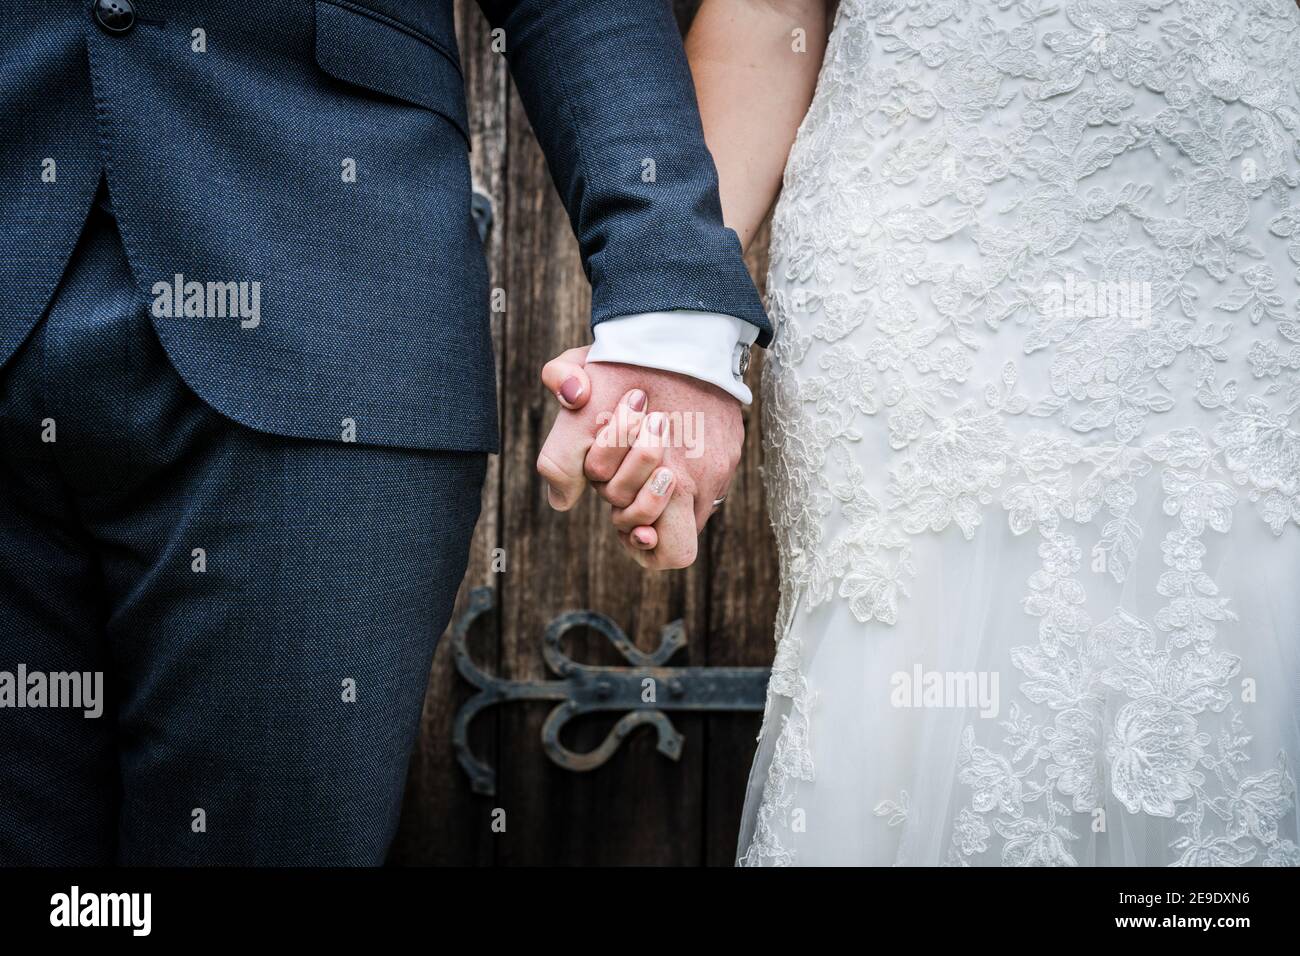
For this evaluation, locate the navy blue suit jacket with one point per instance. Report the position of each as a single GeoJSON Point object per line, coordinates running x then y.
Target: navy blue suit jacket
{"type": "Point", "coordinates": [226, 166]}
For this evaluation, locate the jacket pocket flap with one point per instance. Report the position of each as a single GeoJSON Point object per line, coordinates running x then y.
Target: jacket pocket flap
{"type": "Point", "coordinates": [367, 49]}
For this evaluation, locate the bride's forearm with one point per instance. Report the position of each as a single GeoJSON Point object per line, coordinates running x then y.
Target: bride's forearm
{"type": "Point", "coordinates": [755, 64]}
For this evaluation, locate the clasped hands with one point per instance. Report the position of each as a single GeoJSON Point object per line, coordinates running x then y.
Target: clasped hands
{"type": "Point", "coordinates": [660, 447]}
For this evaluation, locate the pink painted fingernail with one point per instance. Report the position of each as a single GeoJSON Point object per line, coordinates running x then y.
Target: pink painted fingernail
{"type": "Point", "coordinates": [636, 400]}
{"type": "Point", "coordinates": [660, 482]}
{"type": "Point", "coordinates": [571, 390]}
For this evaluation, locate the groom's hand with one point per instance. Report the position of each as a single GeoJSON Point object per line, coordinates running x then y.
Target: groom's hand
{"type": "Point", "coordinates": [658, 446]}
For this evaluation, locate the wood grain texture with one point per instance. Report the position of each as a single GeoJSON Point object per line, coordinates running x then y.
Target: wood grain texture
{"type": "Point", "coordinates": [639, 808]}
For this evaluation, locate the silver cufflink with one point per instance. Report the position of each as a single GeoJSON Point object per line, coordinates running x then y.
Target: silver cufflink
{"type": "Point", "coordinates": [740, 361]}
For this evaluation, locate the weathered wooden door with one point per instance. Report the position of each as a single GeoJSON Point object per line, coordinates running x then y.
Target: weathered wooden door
{"type": "Point", "coordinates": [639, 808]}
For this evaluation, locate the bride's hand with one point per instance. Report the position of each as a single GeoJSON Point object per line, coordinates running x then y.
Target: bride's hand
{"type": "Point", "coordinates": [566, 379]}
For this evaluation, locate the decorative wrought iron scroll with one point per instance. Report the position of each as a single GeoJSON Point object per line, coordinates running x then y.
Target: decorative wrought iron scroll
{"type": "Point", "coordinates": [646, 690]}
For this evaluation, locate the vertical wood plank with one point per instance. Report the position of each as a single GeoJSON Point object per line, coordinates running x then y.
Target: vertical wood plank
{"type": "Point", "coordinates": [744, 588]}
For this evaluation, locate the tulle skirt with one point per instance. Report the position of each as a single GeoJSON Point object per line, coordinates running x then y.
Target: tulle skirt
{"type": "Point", "coordinates": [923, 742]}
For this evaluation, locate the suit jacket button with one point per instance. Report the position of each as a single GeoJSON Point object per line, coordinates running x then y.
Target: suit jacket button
{"type": "Point", "coordinates": [115, 16]}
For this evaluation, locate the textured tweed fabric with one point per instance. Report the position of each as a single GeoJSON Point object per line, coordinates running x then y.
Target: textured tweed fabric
{"type": "Point", "coordinates": [319, 149]}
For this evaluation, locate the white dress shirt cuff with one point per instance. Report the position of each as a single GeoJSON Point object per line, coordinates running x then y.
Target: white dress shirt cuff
{"type": "Point", "coordinates": [706, 345]}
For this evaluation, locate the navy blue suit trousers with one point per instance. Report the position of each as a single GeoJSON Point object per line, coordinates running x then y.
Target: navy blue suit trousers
{"type": "Point", "coordinates": [263, 608]}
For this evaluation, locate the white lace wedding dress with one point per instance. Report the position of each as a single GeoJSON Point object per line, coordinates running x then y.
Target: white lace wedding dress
{"type": "Point", "coordinates": [1032, 440]}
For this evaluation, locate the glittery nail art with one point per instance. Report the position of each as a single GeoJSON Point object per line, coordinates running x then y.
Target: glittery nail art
{"type": "Point", "coordinates": [660, 482]}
